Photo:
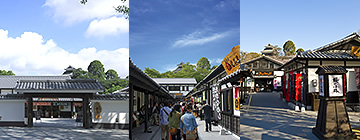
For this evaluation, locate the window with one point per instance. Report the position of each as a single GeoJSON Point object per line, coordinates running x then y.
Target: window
{"type": "Point", "coordinates": [255, 64]}
{"type": "Point", "coordinates": [174, 88]}
{"type": "Point", "coordinates": [271, 66]}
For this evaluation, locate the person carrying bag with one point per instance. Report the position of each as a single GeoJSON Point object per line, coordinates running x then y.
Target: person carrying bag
{"type": "Point", "coordinates": [188, 125]}
{"type": "Point", "coordinates": [174, 123]}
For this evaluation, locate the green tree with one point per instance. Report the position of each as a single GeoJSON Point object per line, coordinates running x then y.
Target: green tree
{"type": "Point", "coordinates": [167, 74]}
{"type": "Point", "coordinates": [79, 73]}
{"type": "Point", "coordinates": [300, 50]}
{"type": "Point", "coordinates": [96, 70]}
{"type": "Point", "coordinates": [111, 74]}
{"type": "Point", "coordinates": [4, 72]}
{"type": "Point", "coordinates": [152, 73]}
{"type": "Point", "coordinates": [289, 48]}
{"type": "Point", "coordinates": [203, 63]}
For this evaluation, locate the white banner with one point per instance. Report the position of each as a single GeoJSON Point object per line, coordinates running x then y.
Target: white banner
{"type": "Point", "coordinates": [336, 85]}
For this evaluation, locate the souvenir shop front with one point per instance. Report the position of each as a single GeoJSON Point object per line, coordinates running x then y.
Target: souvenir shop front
{"type": "Point", "coordinates": [301, 83]}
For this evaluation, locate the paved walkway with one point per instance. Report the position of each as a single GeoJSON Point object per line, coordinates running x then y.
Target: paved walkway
{"type": "Point", "coordinates": [268, 117]}
{"type": "Point", "coordinates": [56, 129]}
{"type": "Point", "coordinates": [203, 135]}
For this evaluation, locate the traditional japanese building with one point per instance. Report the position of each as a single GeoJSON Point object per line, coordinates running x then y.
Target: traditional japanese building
{"type": "Point", "coordinates": [224, 90]}
{"type": "Point", "coordinates": [177, 87]}
{"type": "Point", "coordinates": [301, 84]}
{"type": "Point", "coordinates": [266, 76]}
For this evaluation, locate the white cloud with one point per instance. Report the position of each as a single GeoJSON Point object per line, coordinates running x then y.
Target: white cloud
{"type": "Point", "coordinates": [71, 11]}
{"type": "Point", "coordinates": [111, 26]}
{"type": "Point", "coordinates": [197, 38]}
{"type": "Point", "coordinates": [30, 54]}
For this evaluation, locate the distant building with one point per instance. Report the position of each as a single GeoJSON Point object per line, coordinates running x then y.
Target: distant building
{"type": "Point", "coordinates": [177, 87]}
{"type": "Point", "coordinates": [266, 77]}
{"type": "Point", "coordinates": [179, 68]}
{"type": "Point", "coordinates": [69, 71]}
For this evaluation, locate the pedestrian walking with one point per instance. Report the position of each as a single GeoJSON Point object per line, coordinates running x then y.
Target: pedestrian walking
{"type": "Point", "coordinates": [207, 116]}
{"type": "Point", "coordinates": [154, 115]}
{"type": "Point", "coordinates": [174, 122]}
{"type": "Point", "coordinates": [164, 114]}
{"type": "Point", "coordinates": [188, 124]}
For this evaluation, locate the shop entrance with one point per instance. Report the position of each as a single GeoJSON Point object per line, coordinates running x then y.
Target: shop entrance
{"type": "Point", "coordinates": [264, 84]}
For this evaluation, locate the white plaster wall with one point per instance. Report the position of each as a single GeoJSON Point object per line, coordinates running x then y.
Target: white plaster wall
{"type": "Point", "coordinates": [312, 75]}
{"type": "Point", "coordinates": [278, 75]}
{"type": "Point", "coordinates": [111, 110]}
{"type": "Point", "coordinates": [351, 83]}
{"type": "Point", "coordinates": [12, 110]}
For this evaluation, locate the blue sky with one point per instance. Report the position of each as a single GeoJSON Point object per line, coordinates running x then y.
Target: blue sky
{"type": "Point", "coordinates": [309, 24]}
{"type": "Point", "coordinates": [165, 33]}
{"type": "Point", "coordinates": [45, 36]}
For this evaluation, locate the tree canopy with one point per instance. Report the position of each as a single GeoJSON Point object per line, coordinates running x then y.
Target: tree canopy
{"type": "Point", "coordinates": [198, 71]}
{"type": "Point", "coordinates": [4, 72]}
{"type": "Point", "coordinates": [110, 80]}
{"type": "Point", "coordinates": [300, 50]}
{"type": "Point", "coordinates": [96, 70]}
{"type": "Point", "coordinates": [111, 74]}
{"type": "Point", "coordinates": [289, 48]}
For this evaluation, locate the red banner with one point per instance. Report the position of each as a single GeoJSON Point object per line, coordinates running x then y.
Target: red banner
{"type": "Point", "coordinates": [42, 103]}
{"type": "Point", "coordinates": [237, 92]}
{"type": "Point", "coordinates": [298, 87]}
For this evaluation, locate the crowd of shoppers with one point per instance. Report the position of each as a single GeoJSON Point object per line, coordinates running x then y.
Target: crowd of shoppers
{"type": "Point", "coordinates": [178, 120]}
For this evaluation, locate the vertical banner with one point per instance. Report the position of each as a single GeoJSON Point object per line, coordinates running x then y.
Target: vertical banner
{"type": "Point", "coordinates": [237, 98]}
{"type": "Point", "coordinates": [321, 85]}
{"type": "Point", "coordinates": [298, 87]}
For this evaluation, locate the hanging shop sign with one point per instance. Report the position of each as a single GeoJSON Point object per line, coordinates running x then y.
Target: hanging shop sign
{"type": "Point", "coordinates": [231, 62]}
{"type": "Point", "coordinates": [355, 51]}
{"type": "Point", "coordinates": [264, 73]}
{"type": "Point", "coordinates": [321, 85]}
{"type": "Point", "coordinates": [237, 98]}
{"type": "Point", "coordinates": [335, 85]}
{"type": "Point", "coordinates": [97, 110]}
{"type": "Point", "coordinates": [60, 103]}
{"type": "Point", "coordinates": [42, 103]}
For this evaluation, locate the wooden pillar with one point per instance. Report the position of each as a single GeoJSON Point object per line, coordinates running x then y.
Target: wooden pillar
{"type": "Point", "coordinates": [86, 112]}
{"type": "Point", "coordinates": [131, 111]}
{"type": "Point", "coordinates": [29, 111]}
{"type": "Point", "coordinates": [146, 110]}
{"type": "Point", "coordinates": [72, 110]}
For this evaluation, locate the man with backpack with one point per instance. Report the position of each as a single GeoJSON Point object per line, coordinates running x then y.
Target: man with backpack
{"type": "Point", "coordinates": [164, 114]}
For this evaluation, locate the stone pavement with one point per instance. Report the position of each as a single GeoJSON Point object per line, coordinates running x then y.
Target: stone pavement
{"type": "Point", "coordinates": [57, 129]}
{"type": "Point", "coordinates": [203, 135]}
{"type": "Point", "coordinates": [268, 117]}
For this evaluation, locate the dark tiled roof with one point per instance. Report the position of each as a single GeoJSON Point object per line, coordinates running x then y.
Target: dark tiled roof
{"type": "Point", "coordinates": [68, 84]}
{"type": "Point", "coordinates": [330, 69]}
{"type": "Point", "coordinates": [336, 43]}
{"type": "Point", "coordinates": [119, 96]}
{"type": "Point", "coordinates": [237, 72]}
{"type": "Point", "coordinates": [9, 82]}
{"type": "Point", "coordinates": [326, 55]}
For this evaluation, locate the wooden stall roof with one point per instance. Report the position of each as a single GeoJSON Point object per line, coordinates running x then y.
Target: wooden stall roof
{"type": "Point", "coordinates": [142, 80]}
{"type": "Point", "coordinates": [330, 70]}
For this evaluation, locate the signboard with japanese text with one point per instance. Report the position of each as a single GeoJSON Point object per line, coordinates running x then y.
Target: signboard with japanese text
{"type": "Point", "coordinates": [237, 98]}
{"type": "Point", "coordinates": [231, 62]}
{"type": "Point", "coordinates": [336, 87]}
{"type": "Point", "coordinates": [321, 85]}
